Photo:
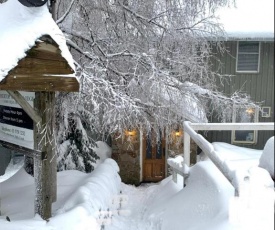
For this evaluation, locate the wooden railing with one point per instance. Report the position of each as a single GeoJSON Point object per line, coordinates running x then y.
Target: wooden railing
{"type": "Point", "coordinates": [208, 149]}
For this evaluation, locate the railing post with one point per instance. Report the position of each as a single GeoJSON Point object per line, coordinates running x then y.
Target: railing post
{"type": "Point", "coordinates": [186, 148]}
{"type": "Point", "coordinates": [175, 176]}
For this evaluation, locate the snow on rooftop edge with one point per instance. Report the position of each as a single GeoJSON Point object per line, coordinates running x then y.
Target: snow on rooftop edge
{"type": "Point", "coordinates": [20, 27]}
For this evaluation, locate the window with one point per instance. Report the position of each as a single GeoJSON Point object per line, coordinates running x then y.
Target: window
{"type": "Point", "coordinates": [244, 115]}
{"type": "Point", "coordinates": [266, 111]}
{"type": "Point", "coordinates": [248, 57]}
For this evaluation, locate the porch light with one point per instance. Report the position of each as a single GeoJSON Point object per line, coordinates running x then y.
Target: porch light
{"type": "Point", "coordinates": [177, 132]}
{"type": "Point", "coordinates": [130, 132]}
{"type": "Point", "coordinates": [250, 110]}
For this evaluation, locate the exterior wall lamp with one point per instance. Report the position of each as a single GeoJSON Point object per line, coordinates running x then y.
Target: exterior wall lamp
{"type": "Point", "coordinates": [177, 131]}
{"type": "Point", "coordinates": [130, 132]}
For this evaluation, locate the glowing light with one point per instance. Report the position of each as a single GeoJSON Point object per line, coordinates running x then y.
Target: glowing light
{"type": "Point", "coordinates": [250, 110]}
{"type": "Point", "coordinates": [130, 132]}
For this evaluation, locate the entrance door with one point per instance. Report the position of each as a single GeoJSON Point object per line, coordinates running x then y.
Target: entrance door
{"type": "Point", "coordinates": [153, 158]}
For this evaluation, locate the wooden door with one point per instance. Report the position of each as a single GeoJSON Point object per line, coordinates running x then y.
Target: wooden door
{"type": "Point", "coordinates": [153, 158]}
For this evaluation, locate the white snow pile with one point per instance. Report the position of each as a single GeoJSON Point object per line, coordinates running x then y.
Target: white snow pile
{"type": "Point", "coordinates": [22, 26]}
{"type": "Point", "coordinates": [267, 158]}
{"type": "Point", "coordinates": [202, 204]}
{"type": "Point", "coordinates": [81, 202]}
{"type": "Point", "coordinates": [102, 150]}
{"type": "Point", "coordinates": [91, 199]}
{"type": "Point", "coordinates": [178, 164]}
{"type": "Point", "coordinates": [208, 202]}
{"type": "Point", "coordinates": [242, 165]}
{"type": "Point", "coordinates": [235, 157]}
{"type": "Point", "coordinates": [98, 200]}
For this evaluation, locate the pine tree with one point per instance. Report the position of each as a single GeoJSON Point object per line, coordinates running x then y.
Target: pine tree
{"type": "Point", "coordinates": [76, 148]}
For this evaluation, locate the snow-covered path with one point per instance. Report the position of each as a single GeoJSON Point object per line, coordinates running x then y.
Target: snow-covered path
{"type": "Point", "coordinates": [138, 210]}
{"type": "Point", "coordinates": [131, 215]}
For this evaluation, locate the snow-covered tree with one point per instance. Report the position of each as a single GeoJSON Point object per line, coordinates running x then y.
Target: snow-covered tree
{"type": "Point", "coordinates": [140, 63]}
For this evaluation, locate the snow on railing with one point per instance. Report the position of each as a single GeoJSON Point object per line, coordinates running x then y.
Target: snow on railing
{"type": "Point", "coordinates": [178, 167]}
{"type": "Point", "coordinates": [208, 149]}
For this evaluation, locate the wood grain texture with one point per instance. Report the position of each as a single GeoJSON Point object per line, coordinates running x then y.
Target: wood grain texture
{"type": "Point", "coordinates": [43, 69]}
{"type": "Point", "coordinates": [36, 82]}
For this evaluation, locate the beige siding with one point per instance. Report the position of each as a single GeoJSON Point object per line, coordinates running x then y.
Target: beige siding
{"type": "Point", "coordinates": [260, 86]}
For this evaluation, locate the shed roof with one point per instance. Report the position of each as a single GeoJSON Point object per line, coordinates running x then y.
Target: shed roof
{"type": "Point", "coordinates": [249, 20]}
{"type": "Point", "coordinates": [21, 27]}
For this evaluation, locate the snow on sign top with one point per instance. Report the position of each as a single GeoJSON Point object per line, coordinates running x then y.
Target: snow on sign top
{"type": "Point", "coordinates": [20, 27]}
{"type": "Point", "coordinates": [250, 19]}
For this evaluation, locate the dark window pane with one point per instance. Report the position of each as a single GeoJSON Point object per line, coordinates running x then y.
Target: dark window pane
{"type": "Point", "coordinates": [248, 62]}
{"type": "Point", "coordinates": [148, 147]}
{"type": "Point", "coordinates": [248, 47]}
{"type": "Point", "coordinates": [244, 135]}
{"type": "Point", "coordinates": [159, 147]}
{"type": "Point", "coordinates": [159, 150]}
{"type": "Point", "coordinates": [248, 56]}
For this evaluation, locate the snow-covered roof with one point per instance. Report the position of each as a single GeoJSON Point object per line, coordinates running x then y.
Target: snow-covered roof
{"type": "Point", "coordinates": [249, 20]}
{"type": "Point", "coordinates": [20, 27]}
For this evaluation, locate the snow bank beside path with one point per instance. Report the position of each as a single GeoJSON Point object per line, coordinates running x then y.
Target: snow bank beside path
{"type": "Point", "coordinates": [208, 202]}
{"type": "Point", "coordinates": [202, 204]}
{"type": "Point", "coordinates": [82, 199]}
{"type": "Point", "coordinates": [83, 209]}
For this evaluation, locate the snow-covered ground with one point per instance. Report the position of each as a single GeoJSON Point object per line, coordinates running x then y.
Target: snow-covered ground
{"type": "Point", "coordinates": [100, 201]}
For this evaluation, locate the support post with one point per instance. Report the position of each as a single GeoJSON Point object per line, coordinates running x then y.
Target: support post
{"type": "Point", "coordinates": [186, 148]}
{"type": "Point", "coordinates": [45, 169]}
{"type": "Point", "coordinates": [175, 176]}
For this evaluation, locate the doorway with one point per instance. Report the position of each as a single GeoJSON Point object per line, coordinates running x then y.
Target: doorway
{"type": "Point", "coordinates": [153, 157]}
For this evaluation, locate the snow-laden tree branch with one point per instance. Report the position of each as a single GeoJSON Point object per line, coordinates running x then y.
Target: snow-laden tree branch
{"type": "Point", "coordinates": [62, 18]}
{"type": "Point", "coordinates": [143, 63]}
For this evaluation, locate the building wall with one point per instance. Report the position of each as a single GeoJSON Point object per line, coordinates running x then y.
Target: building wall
{"type": "Point", "coordinates": [175, 147]}
{"type": "Point", "coordinates": [126, 152]}
{"type": "Point", "coordinates": [260, 86]}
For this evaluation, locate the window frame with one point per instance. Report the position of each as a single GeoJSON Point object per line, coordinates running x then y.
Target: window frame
{"type": "Point", "coordinates": [259, 59]}
{"type": "Point", "coordinates": [255, 132]}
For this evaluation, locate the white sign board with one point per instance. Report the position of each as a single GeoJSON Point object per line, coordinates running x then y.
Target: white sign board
{"type": "Point", "coordinates": [16, 126]}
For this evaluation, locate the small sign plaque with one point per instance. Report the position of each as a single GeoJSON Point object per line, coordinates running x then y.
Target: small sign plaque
{"type": "Point", "coordinates": [16, 126]}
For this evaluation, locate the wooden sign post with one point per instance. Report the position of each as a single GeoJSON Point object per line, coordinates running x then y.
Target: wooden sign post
{"type": "Point", "coordinates": [45, 168]}
{"type": "Point", "coordinates": [42, 72]}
